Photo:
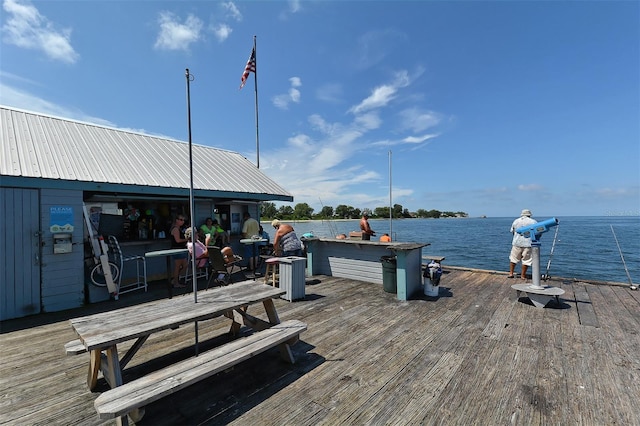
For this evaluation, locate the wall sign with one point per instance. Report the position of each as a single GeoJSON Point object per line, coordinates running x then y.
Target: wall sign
{"type": "Point", "coordinates": [61, 219]}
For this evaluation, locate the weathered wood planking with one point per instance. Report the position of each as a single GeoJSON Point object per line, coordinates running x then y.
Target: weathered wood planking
{"type": "Point", "coordinates": [474, 356]}
{"type": "Point", "coordinates": [584, 306]}
{"type": "Point", "coordinates": [138, 393]}
{"type": "Point", "coordinates": [142, 320]}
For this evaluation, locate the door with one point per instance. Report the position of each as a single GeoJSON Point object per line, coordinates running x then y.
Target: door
{"type": "Point", "coordinates": [19, 253]}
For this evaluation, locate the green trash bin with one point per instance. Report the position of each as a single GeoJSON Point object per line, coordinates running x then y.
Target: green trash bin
{"type": "Point", "coordinates": [389, 274]}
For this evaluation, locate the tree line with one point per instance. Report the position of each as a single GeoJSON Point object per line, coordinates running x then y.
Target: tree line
{"type": "Point", "coordinates": [303, 211]}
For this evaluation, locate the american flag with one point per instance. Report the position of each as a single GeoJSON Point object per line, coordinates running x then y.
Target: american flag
{"type": "Point", "coordinates": [250, 67]}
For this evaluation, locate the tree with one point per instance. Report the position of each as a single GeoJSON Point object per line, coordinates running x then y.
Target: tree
{"type": "Point", "coordinates": [381, 211]}
{"type": "Point", "coordinates": [302, 211]}
{"type": "Point", "coordinates": [268, 210]}
{"type": "Point", "coordinates": [285, 212]}
{"type": "Point", "coordinates": [326, 212]}
{"type": "Point", "coordinates": [397, 210]}
{"type": "Point", "coordinates": [343, 211]}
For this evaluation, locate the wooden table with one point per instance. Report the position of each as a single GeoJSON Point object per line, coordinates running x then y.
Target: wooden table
{"type": "Point", "coordinates": [167, 253]}
{"type": "Point", "coordinates": [253, 242]}
{"type": "Point", "coordinates": [101, 333]}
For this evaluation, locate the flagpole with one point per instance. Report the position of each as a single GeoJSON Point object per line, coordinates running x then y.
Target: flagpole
{"type": "Point", "coordinates": [390, 201]}
{"type": "Point", "coordinates": [255, 79]}
{"type": "Point", "coordinates": [192, 204]}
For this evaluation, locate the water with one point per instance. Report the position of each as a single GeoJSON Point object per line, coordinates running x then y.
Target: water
{"type": "Point", "coordinates": [585, 247]}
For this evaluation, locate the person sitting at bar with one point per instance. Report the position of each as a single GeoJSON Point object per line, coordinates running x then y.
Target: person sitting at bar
{"type": "Point", "coordinates": [202, 250]}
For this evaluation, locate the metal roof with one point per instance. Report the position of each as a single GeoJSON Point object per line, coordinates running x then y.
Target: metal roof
{"type": "Point", "coordinates": [43, 147]}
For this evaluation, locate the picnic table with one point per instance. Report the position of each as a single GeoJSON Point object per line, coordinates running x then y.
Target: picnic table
{"type": "Point", "coordinates": [101, 333]}
{"type": "Point", "coordinates": [253, 242]}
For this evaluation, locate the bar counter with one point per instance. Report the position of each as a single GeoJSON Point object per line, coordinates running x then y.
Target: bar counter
{"type": "Point", "coordinates": [360, 260]}
{"type": "Point", "coordinates": [156, 268]}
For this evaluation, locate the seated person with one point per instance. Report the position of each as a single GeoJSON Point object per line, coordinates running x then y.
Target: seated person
{"type": "Point", "coordinates": [228, 255]}
{"type": "Point", "coordinates": [385, 238]}
{"type": "Point", "coordinates": [202, 252]}
{"type": "Point", "coordinates": [218, 235]}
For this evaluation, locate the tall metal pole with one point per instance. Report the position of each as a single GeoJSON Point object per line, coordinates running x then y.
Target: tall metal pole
{"type": "Point", "coordinates": [192, 205]}
{"type": "Point", "coordinates": [255, 88]}
{"type": "Point", "coordinates": [191, 200]}
{"type": "Point", "coordinates": [390, 202]}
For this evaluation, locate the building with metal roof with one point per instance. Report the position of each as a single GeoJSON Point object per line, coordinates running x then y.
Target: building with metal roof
{"type": "Point", "coordinates": [54, 170]}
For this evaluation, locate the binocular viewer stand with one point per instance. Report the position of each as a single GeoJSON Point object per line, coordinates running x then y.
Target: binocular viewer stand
{"type": "Point", "coordinates": [538, 294]}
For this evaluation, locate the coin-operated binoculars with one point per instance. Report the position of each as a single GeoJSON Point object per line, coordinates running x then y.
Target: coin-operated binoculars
{"type": "Point", "coordinates": [534, 232]}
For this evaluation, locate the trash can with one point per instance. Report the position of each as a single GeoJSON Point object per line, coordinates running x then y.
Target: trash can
{"type": "Point", "coordinates": [431, 276]}
{"type": "Point", "coordinates": [389, 274]}
{"type": "Point", "coordinates": [292, 277]}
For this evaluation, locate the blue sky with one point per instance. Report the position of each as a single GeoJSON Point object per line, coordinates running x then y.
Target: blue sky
{"type": "Point", "coordinates": [487, 107]}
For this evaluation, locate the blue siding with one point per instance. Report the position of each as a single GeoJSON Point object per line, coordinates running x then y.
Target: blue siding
{"type": "Point", "coordinates": [19, 253]}
{"type": "Point", "coordinates": [62, 274]}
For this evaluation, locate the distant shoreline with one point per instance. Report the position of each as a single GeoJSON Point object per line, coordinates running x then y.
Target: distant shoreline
{"type": "Point", "coordinates": [357, 218]}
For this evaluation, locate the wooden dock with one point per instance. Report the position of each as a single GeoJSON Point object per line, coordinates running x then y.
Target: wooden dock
{"type": "Point", "coordinates": [476, 355]}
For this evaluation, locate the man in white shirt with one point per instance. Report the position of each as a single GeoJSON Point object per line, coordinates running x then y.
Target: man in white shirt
{"type": "Point", "coordinates": [520, 245]}
{"type": "Point", "coordinates": [250, 228]}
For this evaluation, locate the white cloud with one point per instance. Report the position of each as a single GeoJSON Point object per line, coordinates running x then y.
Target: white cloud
{"type": "Point", "coordinates": [232, 11]}
{"type": "Point", "coordinates": [369, 121]}
{"type": "Point", "coordinates": [27, 28]}
{"type": "Point", "coordinates": [293, 7]}
{"type": "Point", "coordinates": [175, 35]}
{"type": "Point", "coordinates": [331, 92]}
{"type": "Point", "coordinates": [374, 46]}
{"type": "Point", "coordinates": [293, 94]}
{"type": "Point", "coordinates": [21, 99]}
{"type": "Point", "coordinates": [529, 187]}
{"type": "Point", "coordinates": [409, 140]}
{"type": "Point", "coordinates": [418, 120]}
{"type": "Point", "coordinates": [222, 32]}
{"type": "Point", "coordinates": [384, 94]}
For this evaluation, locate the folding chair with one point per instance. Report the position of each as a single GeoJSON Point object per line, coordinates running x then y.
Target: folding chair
{"type": "Point", "coordinates": [221, 272]}
{"type": "Point", "coordinates": [202, 269]}
{"type": "Point", "coordinates": [117, 257]}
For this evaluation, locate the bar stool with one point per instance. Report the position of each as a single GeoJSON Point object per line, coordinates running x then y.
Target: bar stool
{"type": "Point", "coordinates": [119, 258]}
{"type": "Point", "coordinates": [271, 268]}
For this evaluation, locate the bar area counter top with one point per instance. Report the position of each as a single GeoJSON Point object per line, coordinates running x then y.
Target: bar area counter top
{"type": "Point", "coordinates": [360, 260]}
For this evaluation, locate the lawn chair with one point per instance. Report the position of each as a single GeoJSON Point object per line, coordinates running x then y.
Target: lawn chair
{"type": "Point", "coordinates": [221, 272]}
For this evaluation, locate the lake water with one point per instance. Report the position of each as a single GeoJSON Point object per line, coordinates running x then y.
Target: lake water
{"type": "Point", "coordinates": [585, 247]}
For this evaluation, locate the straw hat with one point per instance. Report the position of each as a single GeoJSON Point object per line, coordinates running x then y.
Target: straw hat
{"type": "Point", "coordinates": [275, 223]}
{"type": "Point", "coordinates": [526, 212]}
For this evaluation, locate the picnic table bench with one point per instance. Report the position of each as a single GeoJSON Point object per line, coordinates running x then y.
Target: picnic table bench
{"type": "Point", "coordinates": [100, 334]}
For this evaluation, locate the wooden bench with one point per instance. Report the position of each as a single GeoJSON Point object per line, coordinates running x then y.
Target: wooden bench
{"type": "Point", "coordinates": [74, 347]}
{"type": "Point", "coordinates": [130, 397]}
